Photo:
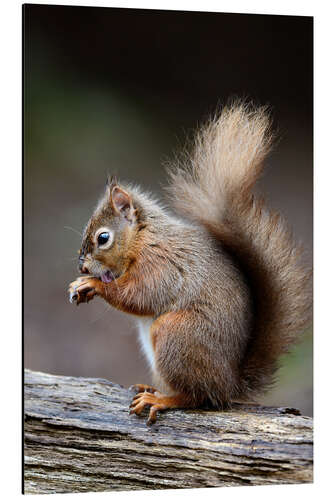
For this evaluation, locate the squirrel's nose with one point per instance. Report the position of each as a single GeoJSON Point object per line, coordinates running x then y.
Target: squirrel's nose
{"type": "Point", "coordinates": [82, 267]}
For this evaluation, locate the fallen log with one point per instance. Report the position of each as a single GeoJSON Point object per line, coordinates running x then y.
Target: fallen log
{"type": "Point", "coordinates": [80, 437]}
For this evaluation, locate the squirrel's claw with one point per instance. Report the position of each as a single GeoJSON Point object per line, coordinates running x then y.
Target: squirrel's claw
{"type": "Point", "coordinates": [157, 402]}
{"type": "Point", "coordinates": [144, 399]}
{"type": "Point", "coordinates": [81, 290]}
{"type": "Point", "coordinates": [73, 296]}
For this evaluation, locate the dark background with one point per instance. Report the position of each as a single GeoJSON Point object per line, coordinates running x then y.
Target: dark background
{"type": "Point", "coordinates": [118, 90]}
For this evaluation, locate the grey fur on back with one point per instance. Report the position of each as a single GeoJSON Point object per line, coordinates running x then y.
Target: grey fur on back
{"type": "Point", "coordinates": [213, 186]}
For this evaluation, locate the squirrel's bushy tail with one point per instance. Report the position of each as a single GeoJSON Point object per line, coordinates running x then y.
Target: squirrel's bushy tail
{"type": "Point", "coordinates": [214, 186]}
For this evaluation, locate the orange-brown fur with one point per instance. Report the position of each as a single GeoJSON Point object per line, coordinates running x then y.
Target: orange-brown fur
{"type": "Point", "coordinates": [225, 288]}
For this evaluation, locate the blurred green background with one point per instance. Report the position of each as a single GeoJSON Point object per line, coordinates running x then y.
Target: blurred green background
{"type": "Point", "coordinates": [118, 90]}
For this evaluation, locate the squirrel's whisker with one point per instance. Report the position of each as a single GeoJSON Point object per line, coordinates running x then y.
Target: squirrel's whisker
{"type": "Point", "coordinates": [74, 230]}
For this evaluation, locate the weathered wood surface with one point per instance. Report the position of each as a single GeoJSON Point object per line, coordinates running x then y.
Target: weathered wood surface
{"type": "Point", "coordinates": [80, 437]}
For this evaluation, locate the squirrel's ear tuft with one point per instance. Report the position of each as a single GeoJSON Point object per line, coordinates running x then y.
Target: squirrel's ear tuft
{"type": "Point", "coordinates": [122, 202]}
{"type": "Point", "coordinates": [111, 181]}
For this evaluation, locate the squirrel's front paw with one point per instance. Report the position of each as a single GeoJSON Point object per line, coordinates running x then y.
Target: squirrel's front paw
{"type": "Point", "coordinates": [83, 289]}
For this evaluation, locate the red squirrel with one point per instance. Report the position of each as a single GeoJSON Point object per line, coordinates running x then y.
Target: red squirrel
{"type": "Point", "coordinates": [219, 290]}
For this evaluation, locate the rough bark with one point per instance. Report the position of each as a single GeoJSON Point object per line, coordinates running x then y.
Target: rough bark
{"type": "Point", "coordinates": [80, 437]}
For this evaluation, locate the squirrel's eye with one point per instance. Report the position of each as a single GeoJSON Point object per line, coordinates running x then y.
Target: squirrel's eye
{"type": "Point", "coordinates": [103, 238]}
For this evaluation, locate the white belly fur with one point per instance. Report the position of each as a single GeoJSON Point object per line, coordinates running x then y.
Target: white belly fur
{"type": "Point", "coordinates": [145, 341]}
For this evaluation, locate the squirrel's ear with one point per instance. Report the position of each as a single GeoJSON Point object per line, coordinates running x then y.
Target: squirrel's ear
{"type": "Point", "coordinates": [122, 202]}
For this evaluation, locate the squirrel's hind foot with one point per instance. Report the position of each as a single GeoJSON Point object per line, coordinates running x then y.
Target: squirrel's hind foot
{"type": "Point", "coordinates": [157, 402]}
